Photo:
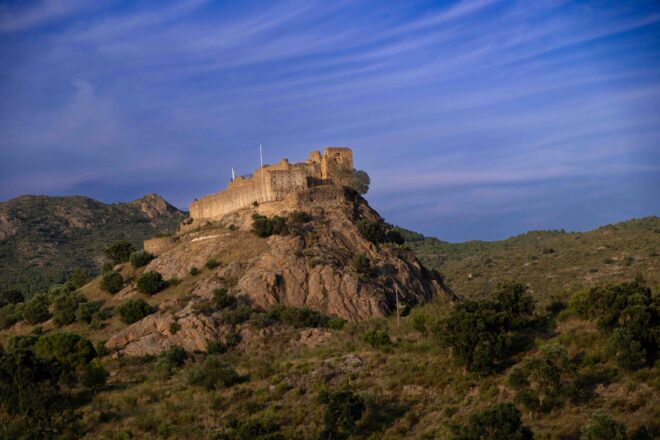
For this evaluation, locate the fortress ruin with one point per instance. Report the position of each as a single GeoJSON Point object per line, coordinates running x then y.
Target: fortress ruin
{"type": "Point", "coordinates": [272, 182]}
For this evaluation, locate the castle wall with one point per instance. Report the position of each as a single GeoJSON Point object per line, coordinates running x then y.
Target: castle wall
{"type": "Point", "coordinates": [272, 183]}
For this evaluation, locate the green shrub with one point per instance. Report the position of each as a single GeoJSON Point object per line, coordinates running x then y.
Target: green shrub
{"type": "Point", "coordinates": [499, 422]}
{"type": "Point", "coordinates": [8, 316]}
{"type": "Point", "coordinates": [236, 315]}
{"type": "Point", "coordinates": [601, 426]}
{"type": "Point", "coordinates": [194, 271]}
{"type": "Point", "coordinates": [297, 317]}
{"type": "Point", "coordinates": [212, 263]}
{"type": "Point", "coordinates": [35, 310]}
{"type": "Point", "coordinates": [372, 231]}
{"type": "Point", "coordinates": [150, 283]}
{"type": "Point", "coordinates": [263, 226]}
{"type": "Point", "coordinates": [86, 311]}
{"type": "Point", "coordinates": [361, 264]}
{"type": "Point", "coordinates": [94, 375]}
{"type": "Point", "coordinates": [343, 410]}
{"type": "Point", "coordinates": [65, 307]}
{"type": "Point", "coordinates": [336, 323]}
{"type": "Point", "coordinates": [79, 277]}
{"type": "Point", "coordinates": [223, 299]}
{"type": "Point", "coordinates": [539, 382]}
{"type": "Point", "coordinates": [112, 282]}
{"type": "Point", "coordinates": [376, 338]}
{"type": "Point", "coordinates": [140, 258]}
{"type": "Point", "coordinates": [11, 296]}
{"type": "Point", "coordinates": [134, 310]}
{"type": "Point", "coordinates": [214, 374]}
{"type": "Point", "coordinates": [69, 349]}
{"type": "Point", "coordinates": [394, 236]}
{"type": "Point", "coordinates": [299, 217]}
{"type": "Point", "coordinates": [119, 251]}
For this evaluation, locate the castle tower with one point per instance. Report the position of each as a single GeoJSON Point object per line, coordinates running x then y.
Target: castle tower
{"type": "Point", "coordinates": [335, 159]}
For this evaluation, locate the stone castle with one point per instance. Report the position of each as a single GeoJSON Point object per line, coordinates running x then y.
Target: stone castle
{"type": "Point", "coordinates": [272, 182]}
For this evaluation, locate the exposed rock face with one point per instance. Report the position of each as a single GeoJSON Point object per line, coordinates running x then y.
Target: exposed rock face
{"type": "Point", "coordinates": [313, 267]}
{"type": "Point", "coordinates": [158, 332]}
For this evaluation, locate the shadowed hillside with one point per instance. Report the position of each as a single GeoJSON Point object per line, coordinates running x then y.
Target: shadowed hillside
{"type": "Point", "coordinates": [42, 238]}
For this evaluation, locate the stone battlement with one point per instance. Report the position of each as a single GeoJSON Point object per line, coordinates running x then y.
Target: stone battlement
{"type": "Point", "coordinates": [273, 182]}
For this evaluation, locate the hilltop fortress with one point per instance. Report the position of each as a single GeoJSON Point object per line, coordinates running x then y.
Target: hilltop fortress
{"type": "Point", "coordinates": [273, 182]}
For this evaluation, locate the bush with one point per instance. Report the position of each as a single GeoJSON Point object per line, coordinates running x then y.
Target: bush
{"type": "Point", "coordinates": [194, 271]}
{"type": "Point", "coordinates": [336, 323]}
{"type": "Point", "coordinates": [372, 231]}
{"type": "Point", "coordinates": [361, 264]}
{"type": "Point", "coordinates": [119, 251]}
{"type": "Point", "coordinates": [377, 338]}
{"type": "Point", "coordinates": [343, 410]}
{"type": "Point", "coordinates": [86, 311]}
{"type": "Point", "coordinates": [65, 307]}
{"type": "Point", "coordinates": [79, 277]}
{"type": "Point", "coordinates": [133, 310]}
{"type": "Point", "coordinates": [602, 426]}
{"type": "Point", "coordinates": [212, 263]}
{"type": "Point", "coordinates": [500, 422]}
{"type": "Point", "coordinates": [224, 300]}
{"type": "Point", "coordinates": [150, 283]}
{"type": "Point", "coordinates": [8, 316]}
{"type": "Point", "coordinates": [394, 236]}
{"type": "Point", "coordinates": [297, 317]}
{"type": "Point", "coordinates": [171, 359]}
{"type": "Point", "coordinates": [69, 349]}
{"type": "Point", "coordinates": [299, 217]}
{"type": "Point", "coordinates": [140, 258]}
{"type": "Point", "coordinates": [94, 375]}
{"type": "Point", "coordinates": [236, 315]}
{"type": "Point", "coordinates": [11, 296]}
{"type": "Point", "coordinates": [214, 374]}
{"type": "Point", "coordinates": [539, 381]}
{"type": "Point", "coordinates": [35, 310]}
{"type": "Point", "coordinates": [112, 282]}
{"type": "Point", "coordinates": [263, 226]}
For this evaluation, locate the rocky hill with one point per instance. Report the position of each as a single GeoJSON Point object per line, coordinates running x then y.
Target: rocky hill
{"type": "Point", "coordinates": [551, 263]}
{"type": "Point", "coordinates": [41, 238]}
{"type": "Point", "coordinates": [319, 257]}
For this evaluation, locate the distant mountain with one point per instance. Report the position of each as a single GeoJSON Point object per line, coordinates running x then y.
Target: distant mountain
{"type": "Point", "coordinates": [551, 263]}
{"type": "Point", "coordinates": [42, 238]}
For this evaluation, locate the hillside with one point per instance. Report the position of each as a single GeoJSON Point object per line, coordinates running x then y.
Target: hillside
{"type": "Point", "coordinates": [41, 238]}
{"type": "Point", "coordinates": [280, 322]}
{"type": "Point", "coordinates": [551, 263]}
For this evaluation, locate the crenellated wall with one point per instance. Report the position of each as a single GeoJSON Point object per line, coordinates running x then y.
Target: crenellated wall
{"type": "Point", "coordinates": [274, 182]}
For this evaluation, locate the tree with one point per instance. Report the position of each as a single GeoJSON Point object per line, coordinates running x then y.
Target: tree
{"type": "Point", "coordinates": [477, 335]}
{"type": "Point", "coordinates": [151, 282]}
{"type": "Point", "coordinates": [602, 426]}
{"type": "Point", "coordinates": [11, 296]}
{"type": "Point", "coordinates": [86, 311]}
{"type": "Point", "coordinates": [343, 410]}
{"type": "Point", "coordinates": [35, 310]}
{"type": "Point", "coordinates": [361, 264]}
{"type": "Point", "coordinates": [69, 349]}
{"type": "Point", "coordinates": [119, 251]}
{"type": "Point", "coordinates": [112, 282]}
{"type": "Point", "coordinates": [538, 382]}
{"type": "Point", "coordinates": [65, 307]}
{"type": "Point", "coordinates": [214, 374]}
{"type": "Point", "coordinates": [140, 258]}
{"type": "Point", "coordinates": [627, 351]}
{"type": "Point", "coordinates": [499, 422]}
{"type": "Point", "coordinates": [94, 375]}
{"type": "Point", "coordinates": [371, 230]}
{"type": "Point", "coordinates": [361, 181]}
{"type": "Point", "coordinates": [134, 310]}
{"type": "Point", "coordinates": [79, 277]}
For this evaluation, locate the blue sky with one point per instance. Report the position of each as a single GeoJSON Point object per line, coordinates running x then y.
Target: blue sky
{"type": "Point", "coordinates": [475, 119]}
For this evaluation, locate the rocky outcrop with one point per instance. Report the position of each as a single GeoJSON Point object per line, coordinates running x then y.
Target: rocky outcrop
{"type": "Point", "coordinates": [310, 266]}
